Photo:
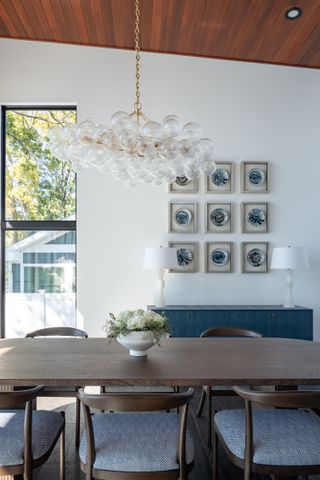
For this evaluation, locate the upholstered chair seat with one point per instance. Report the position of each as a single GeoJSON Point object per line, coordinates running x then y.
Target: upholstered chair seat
{"type": "Point", "coordinates": [280, 436]}
{"type": "Point", "coordinates": [46, 427]}
{"type": "Point", "coordinates": [136, 442]}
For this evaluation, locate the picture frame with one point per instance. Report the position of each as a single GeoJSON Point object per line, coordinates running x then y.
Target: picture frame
{"type": "Point", "coordinates": [254, 257]}
{"type": "Point", "coordinates": [187, 255]}
{"type": "Point", "coordinates": [254, 217]}
{"type": "Point", "coordinates": [182, 217]}
{"type": "Point", "coordinates": [218, 217]}
{"type": "Point", "coordinates": [221, 181]}
{"type": "Point", "coordinates": [183, 185]}
{"type": "Point", "coordinates": [218, 257]}
{"type": "Point", "coordinates": [254, 177]}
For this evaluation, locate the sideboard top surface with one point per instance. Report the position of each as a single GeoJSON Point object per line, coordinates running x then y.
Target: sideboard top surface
{"type": "Point", "coordinates": [226, 307]}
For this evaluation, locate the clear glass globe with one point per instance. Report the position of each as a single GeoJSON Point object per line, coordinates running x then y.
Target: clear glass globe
{"type": "Point", "coordinates": [127, 139]}
{"type": "Point", "coordinates": [170, 176]}
{"type": "Point", "coordinates": [151, 151]}
{"type": "Point", "coordinates": [193, 173]}
{"type": "Point", "coordinates": [56, 134]}
{"type": "Point", "coordinates": [209, 166]}
{"type": "Point", "coordinates": [171, 126]}
{"type": "Point", "coordinates": [168, 147]}
{"type": "Point", "coordinates": [85, 130]}
{"type": "Point", "coordinates": [142, 145]}
{"type": "Point", "coordinates": [69, 133]}
{"type": "Point", "coordinates": [126, 124]}
{"type": "Point", "coordinates": [117, 117]}
{"type": "Point", "coordinates": [152, 129]}
{"type": "Point", "coordinates": [192, 131]}
{"type": "Point", "coordinates": [186, 148]}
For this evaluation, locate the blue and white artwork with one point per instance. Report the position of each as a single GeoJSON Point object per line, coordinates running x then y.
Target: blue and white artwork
{"type": "Point", "coordinates": [183, 216]}
{"type": "Point", "coordinates": [184, 256]}
{"type": "Point", "coordinates": [256, 217]}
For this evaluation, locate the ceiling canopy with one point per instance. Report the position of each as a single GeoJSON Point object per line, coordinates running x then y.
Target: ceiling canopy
{"type": "Point", "coordinates": [248, 30]}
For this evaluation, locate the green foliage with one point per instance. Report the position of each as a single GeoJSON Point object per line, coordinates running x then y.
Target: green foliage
{"type": "Point", "coordinates": [137, 321]}
{"type": "Point", "coordinates": [38, 185]}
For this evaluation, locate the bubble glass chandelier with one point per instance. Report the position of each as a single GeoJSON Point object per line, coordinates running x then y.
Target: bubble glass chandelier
{"type": "Point", "coordinates": [133, 148]}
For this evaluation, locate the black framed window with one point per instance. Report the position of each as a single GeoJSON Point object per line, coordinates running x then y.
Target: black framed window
{"type": "Point", "coordinates": [38, 223]}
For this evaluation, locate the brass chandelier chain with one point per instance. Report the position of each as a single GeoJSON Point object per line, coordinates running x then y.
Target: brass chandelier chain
{"type": "Point", "coordinates": [137, 105]}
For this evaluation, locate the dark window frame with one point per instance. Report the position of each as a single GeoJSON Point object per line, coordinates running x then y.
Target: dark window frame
{"type": "Point", "coordinates": [19, 225]}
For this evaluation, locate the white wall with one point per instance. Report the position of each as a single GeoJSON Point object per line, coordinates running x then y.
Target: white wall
{"type": "Point", "coordinates": [251, 111]}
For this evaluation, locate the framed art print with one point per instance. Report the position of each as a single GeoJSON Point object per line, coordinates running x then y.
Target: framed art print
{"type": "Point", "coordinates": [255, 217]}
{"type": "Point", "coordinates": [183, 185]}
{"type": "Point", "coordinates": [182, 217]}
{"type": "Point", "coordinates": [254, 257]}
{"type": "Point", "coordinates": [218, 217]}
{"type": "Point", "coordinates": [218, 257]}
{"type": "Point", "coordinates": [221, 181]}
{"type": "Point", "coordinates": [254, 177]}
{"type": "Point", "coordinates": [187, 256]}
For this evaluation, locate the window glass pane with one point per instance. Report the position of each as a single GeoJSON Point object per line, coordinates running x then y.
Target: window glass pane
{"type": "Point", "coordinates": [38, 185]}
{"type": "Point", "coordinates": [40, 280]}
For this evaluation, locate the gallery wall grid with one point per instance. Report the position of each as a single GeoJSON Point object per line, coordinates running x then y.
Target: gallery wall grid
{"type": "Point", "coordinates": [216, 216]}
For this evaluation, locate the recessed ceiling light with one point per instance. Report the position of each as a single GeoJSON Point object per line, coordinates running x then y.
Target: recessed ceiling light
{"type": "Point", "coordinates": [293, 13]}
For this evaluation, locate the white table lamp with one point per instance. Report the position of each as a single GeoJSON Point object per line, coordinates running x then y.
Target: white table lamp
{"type": "Point", "coordinates": [160, 259]}
{"type": "Point", "coordinates": [289, 258]}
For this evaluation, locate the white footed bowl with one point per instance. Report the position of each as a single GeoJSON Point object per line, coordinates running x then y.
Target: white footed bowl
{"type": "Point", "coordinates": [137, 343]}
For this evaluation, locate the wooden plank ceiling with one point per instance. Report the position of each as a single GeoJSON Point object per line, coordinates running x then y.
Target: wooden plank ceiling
{"type": "Point", "coordinates": [249, 30]}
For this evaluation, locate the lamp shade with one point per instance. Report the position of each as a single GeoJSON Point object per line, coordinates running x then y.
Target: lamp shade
{"type": "Point", "coordinates": [160, 257]}
{"type": "Point", "coordinates": [289, 258]}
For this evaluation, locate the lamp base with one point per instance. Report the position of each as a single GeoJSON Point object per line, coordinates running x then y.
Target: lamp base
{"type": "Point", "coordinates": [288, 302]}
{"type": "Point", "coordinates": [159, 298]}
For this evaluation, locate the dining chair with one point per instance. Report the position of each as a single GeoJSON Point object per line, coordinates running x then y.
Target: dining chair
{"type": "Point", "coordinates": [272, 441]}
{"type": "Point", "coordinates": [62, 391]}
{"type": "Point", "coordinates": [139, 441]}
{"type": "Point", "coordinates": [27, 436]}
{"type": "Point", "coordinates": [210, 391]}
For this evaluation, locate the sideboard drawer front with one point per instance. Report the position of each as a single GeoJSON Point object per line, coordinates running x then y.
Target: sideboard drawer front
{"type": "Point", "coordinates": [276, 323]}
{"type": "Point", "coordinates": [257, 320]}
{"type": "Point", "coordinates": [192, 323]}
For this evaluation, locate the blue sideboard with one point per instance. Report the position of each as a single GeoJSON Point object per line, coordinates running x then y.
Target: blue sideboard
{"type": "Point", "coordinates": [269, 320]}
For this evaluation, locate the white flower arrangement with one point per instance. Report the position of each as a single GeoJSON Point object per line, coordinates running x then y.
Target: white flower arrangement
{"type": "Point", "coordinates": [137, 321]}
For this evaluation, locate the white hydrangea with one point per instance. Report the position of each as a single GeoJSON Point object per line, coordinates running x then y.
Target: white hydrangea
{"type": "Point", "coordinates": [136, 320]}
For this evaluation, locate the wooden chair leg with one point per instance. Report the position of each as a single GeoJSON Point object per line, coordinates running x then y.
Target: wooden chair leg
{"type": "Point", "coordinates": [77, 439]}
{"type": "Point", "coordinates": [247, 473]}
{"type": "Point", "coordinates": [209, 406]}
{"type": "Point", "coordinates": [62, 455]}
{"type": "Point", "coordinates": [88, 474]}
{"type": "Point", "coordinates": [215, 466]}
{"type": "Point", "coordinates": [201, 402]}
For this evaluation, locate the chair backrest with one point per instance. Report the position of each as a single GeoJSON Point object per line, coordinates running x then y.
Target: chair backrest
{"type": "Point", "coordinates": [284, 398]}
{"type": "Point", "coordinates": [135, 402]}
{"type": "Point", "coordinates": [14, 399]}
{"type": "Point", "coordinates": [230, 332]}
{"type": "Point", "coordinates": [58, 332]}
{"type": "Point", "coordinates": [17, 398]}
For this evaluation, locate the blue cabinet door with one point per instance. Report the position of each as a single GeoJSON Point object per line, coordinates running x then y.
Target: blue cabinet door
{"type": "Point", "coordinates": [276, 322]}
{"type": "Point", "coordinates": [192, 323]}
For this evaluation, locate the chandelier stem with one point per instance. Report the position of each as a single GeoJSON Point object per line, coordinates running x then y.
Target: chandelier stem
{"type": "Point", "coordinates": [137, 105]}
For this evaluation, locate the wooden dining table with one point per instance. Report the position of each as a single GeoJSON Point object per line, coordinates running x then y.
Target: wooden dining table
{"type": "Point", "coordinates": [178, 361]}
